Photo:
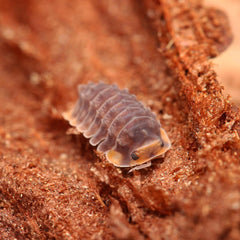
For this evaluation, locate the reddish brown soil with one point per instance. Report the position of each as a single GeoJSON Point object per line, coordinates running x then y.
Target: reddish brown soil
{"type": "Point", "coordinates": [52, 184]}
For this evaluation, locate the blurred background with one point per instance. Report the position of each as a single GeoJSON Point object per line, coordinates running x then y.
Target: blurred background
{"type": "Point", "coordinates": [227, 64]}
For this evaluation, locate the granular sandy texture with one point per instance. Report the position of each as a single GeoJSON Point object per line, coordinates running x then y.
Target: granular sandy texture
{"type": "Point", "coordinates": [52, 184]}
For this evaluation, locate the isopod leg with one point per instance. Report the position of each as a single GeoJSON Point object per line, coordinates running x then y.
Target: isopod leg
{"type": "Point", "coordinates": [144, 165]}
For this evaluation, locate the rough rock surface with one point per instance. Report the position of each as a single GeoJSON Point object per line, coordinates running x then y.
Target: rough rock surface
{"type": "Point", "coordinates": [52, 184]}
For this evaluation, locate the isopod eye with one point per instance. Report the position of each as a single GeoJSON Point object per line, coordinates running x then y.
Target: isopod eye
{"type": "Point", "coordinates": [134, 156]}
{"type": "Point", "coordinates": [162, 144]}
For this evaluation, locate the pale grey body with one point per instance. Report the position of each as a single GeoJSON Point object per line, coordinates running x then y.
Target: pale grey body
{"type": "Point", "coordinates": [114, 120]}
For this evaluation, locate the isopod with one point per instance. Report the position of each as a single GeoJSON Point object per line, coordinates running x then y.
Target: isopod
{"type": "Point", "coordinates": [126, 131]}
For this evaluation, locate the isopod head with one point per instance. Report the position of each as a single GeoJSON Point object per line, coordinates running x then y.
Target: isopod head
{"type": "Point", "coordinates": [151, 148]}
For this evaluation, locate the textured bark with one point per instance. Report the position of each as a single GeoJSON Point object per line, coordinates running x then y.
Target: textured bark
{"type": "Point", "coordinates": [52, 184]}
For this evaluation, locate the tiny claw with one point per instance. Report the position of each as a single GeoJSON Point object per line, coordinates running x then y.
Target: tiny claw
{"type": "Point", "coordinates": [144, 165]}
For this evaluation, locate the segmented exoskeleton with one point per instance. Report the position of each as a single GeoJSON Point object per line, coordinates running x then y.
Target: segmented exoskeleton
{"type": "Point", "coordinates": [126, 131]}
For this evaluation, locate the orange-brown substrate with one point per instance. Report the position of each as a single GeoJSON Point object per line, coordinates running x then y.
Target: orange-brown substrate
{"type": "Point", "coordinates": [52, 184]}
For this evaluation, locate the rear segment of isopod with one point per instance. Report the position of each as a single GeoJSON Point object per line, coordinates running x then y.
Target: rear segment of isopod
{"type": "Point", "coordinates": [124, 130]}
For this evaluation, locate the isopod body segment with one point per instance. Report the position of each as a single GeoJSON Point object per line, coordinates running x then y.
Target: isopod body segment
{"type": "Point", "coordinates": [126, 131]}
